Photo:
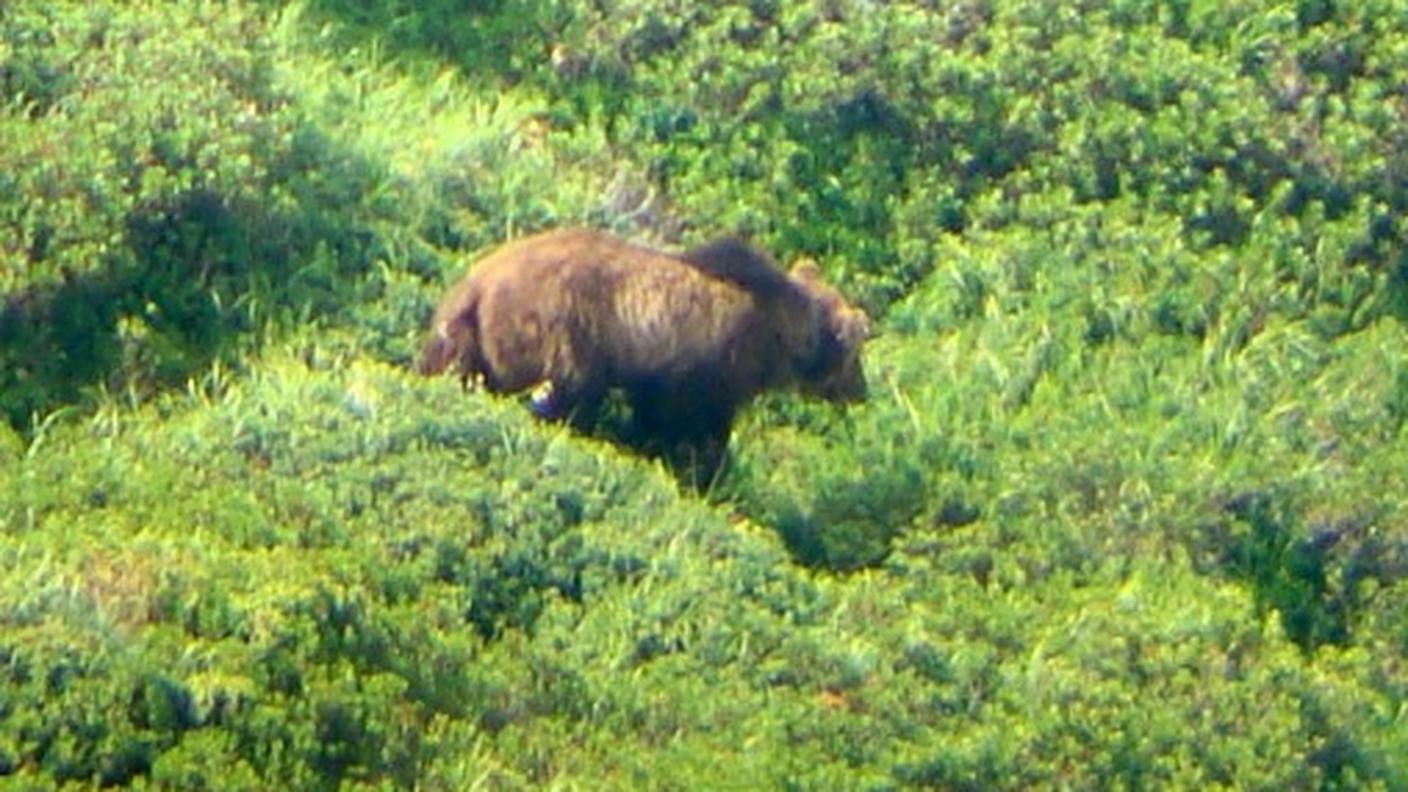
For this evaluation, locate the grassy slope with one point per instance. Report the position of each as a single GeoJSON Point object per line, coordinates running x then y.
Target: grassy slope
{"type": "Point", "coordinates": [1135, 441]}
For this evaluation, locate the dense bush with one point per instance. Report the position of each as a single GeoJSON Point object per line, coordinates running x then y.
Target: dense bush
{"type": "Point", "coordinates": [162, 195]}
{"type": "Point", "coordinates": [364, 579]}
{"type": "Point", "coordinates": [1124, 509]}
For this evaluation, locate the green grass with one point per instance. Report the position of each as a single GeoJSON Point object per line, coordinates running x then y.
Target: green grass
{"type": "Point", "coordinates": [1124, 508]}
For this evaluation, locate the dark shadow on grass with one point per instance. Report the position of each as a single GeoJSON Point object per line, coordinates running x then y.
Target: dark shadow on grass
{"type": "Point", "coordinates": [1308, 572]}
{"type": "Point", "coordinates": [197, 276]}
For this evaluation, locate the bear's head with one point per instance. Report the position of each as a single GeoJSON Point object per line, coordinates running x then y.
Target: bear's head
{"type": "Point", "coordinates": [831, 367]}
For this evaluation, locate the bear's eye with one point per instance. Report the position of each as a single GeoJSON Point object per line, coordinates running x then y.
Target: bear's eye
{"type": "Point", "coordinates": [829, 351]}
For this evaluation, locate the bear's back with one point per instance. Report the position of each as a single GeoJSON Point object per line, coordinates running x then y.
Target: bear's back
{"type": "Point", "coordinates": [732, 260]}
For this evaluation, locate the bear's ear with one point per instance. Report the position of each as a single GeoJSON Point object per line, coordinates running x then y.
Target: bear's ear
{"type": "Point", "coordinates": [806, 270]}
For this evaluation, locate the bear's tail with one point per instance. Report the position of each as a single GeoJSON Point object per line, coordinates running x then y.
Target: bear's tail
{"type": "Point", "coordinates": [436, 355]}
{"type": "Point", "coordinates": [454, 340]}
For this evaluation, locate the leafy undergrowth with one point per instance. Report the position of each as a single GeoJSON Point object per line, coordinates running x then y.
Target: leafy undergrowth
{"type": "Point", "coordinates": [178, 183]}
{"type": "Point", "coordinates": [332, 572]}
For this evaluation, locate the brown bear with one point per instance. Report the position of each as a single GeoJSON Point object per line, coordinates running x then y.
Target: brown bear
{"type": "Point", "coordinates": [689, 338]}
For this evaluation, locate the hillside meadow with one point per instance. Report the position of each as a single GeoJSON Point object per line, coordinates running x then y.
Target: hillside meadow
{"type": "Point", "coordinates": [1125, 507]}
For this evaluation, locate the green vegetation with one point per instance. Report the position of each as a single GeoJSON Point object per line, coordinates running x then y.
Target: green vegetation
{"type": "Point", "coordinates": [1127, 507]}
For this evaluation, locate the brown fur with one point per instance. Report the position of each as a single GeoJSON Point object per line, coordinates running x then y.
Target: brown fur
{"type": "Point", "coordinates": [689, 338]}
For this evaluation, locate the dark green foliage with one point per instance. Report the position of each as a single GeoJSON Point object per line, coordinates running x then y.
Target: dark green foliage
{"type": "Point", "coordinates": [837, 504]}
{"type": "Point", "coordinates": [164, 197]}
{"type": "Point", "coordinates": [345, 576]}
{"type": "Point", "coordinates": [472, 33]}
{"type": "Point", "coordinates": [1125, 507]}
